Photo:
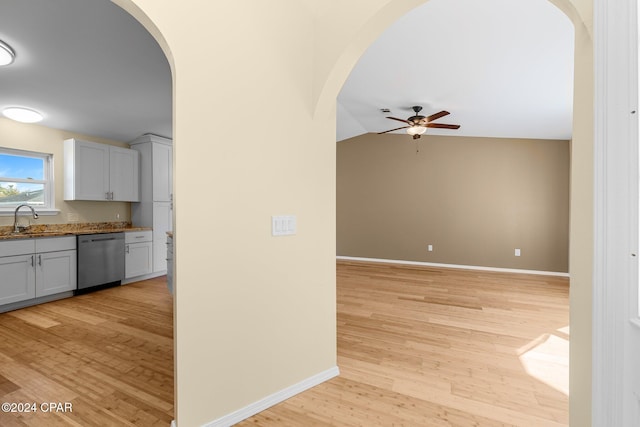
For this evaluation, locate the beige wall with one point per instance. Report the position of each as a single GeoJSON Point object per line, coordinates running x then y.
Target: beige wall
{"type": "Point", "coordinates": [474, 199]}
{"type": "Point", "coordinates": [581, 233]}
{"type": "Point", "coordinates": [46, 140]}
{"type": "Point", "coordinates": [255, 314]}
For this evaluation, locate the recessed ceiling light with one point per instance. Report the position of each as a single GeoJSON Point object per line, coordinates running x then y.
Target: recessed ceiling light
{"type": "Point", "coordinates": [6, 54]}
{"type": "Point", "coordinates": [23, 115]}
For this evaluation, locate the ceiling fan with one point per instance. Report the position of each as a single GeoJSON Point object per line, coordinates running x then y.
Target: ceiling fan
{"type": "Point", "coordinates": [417, 124]}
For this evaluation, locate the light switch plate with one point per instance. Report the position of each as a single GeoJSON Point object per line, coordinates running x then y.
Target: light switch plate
{"type": "Point", "coordinates": [283, 225]}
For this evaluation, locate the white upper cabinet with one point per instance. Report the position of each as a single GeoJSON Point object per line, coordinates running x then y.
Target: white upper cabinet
{"type": "Point", "coordinates": [156, 164]}
{"type": "Point", "coordinates": [86, 170]}
{"type": "Point", "coordinates": [124, 168]}
{"type": "Point", "coordinates": [94, 171]}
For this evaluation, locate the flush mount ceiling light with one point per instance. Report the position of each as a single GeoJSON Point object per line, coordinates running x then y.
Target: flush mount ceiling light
{"type": "Point", "coordinates": [23, 115]}
{"type": "Point", "coordinates": [7, 54]}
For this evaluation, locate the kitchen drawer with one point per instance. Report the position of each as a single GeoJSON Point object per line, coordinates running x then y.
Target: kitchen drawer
{"type": "Point", "coordinates": [138, 236]}
{"type": "Point", "coordinates": [53, 244]}
{"type": "Point", "coordinates": [17, 247]}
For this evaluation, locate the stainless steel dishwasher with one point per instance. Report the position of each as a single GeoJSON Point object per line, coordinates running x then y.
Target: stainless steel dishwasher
{"type": "Point", "coordinates": [100, 260]}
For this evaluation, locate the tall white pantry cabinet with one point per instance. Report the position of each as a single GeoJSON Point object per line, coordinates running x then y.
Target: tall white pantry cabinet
{"type": "Point", "coordinates": [156, 193]}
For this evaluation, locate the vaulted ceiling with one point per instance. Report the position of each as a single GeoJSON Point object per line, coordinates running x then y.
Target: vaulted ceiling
{"type": "Point", "coordinates": [502, 68]}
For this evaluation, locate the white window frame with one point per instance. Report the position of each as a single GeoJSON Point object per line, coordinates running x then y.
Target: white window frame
{"type": "Point", "coordinates": [49, 196]}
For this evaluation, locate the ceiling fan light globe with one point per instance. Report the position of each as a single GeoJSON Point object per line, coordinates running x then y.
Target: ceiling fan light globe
{"type": "Point", "coordinates": [416, 130]}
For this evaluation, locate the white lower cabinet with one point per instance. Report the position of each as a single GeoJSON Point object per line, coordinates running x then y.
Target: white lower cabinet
{"type": "Point", "coordinates": [138, 259]}
{"type": "Point", "coordinates": [33, 268]}
{"type": "Point", "coordinates": [18, 278]}
{"type": "Point", "coordinates": [170, 263]}
{"type": "Point", "coordinates": [55, 272]}
{"type": "Point", "coordinates": [161, 224]}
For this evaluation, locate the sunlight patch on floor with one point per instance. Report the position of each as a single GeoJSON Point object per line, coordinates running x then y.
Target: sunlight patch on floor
{"type": "Point", "coordinates": [547, 360]}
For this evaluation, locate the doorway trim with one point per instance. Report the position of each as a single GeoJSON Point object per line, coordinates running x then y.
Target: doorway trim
{"type": "Point", "coordinates": [615, 269]}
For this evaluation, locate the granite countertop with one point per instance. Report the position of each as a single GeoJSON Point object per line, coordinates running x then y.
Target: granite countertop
{"type": "Point", "coordinates": [54, 230]}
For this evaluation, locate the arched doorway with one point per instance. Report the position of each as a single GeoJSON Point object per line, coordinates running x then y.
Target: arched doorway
{"type": "Point", "coordinates": [581, 243]}
{"type": "Point", "coordinates": [32, 27]}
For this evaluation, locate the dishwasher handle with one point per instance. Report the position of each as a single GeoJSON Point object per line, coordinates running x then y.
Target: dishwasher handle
{"type": "Point", "coordinates": [102, 239]}
{"type": "Point", "coordinates": [99, 238]}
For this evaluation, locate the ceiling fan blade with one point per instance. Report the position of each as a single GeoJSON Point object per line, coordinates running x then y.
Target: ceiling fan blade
{"type": "Point", "coordinates": [391, 130]}
{"type": "Point", "coordinates": [400, 120]}
{"type": "Point", "coordinates": [437, 116]}
{"type": "Point", "coordinates": [442, 126]}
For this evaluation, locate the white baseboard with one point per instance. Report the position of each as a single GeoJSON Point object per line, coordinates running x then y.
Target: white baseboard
{"type": "Point", "coordinates": [144, 277]}
{"type": "Point", "coordinates": [275, 398]}
{"type": "Point", "coordinates": [462, 267]}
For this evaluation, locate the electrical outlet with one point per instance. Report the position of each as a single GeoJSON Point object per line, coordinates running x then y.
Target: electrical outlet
{"type": "Point", "coordinates": [430, 248]}
{"type": "Point", "coordinates": [517, 253]}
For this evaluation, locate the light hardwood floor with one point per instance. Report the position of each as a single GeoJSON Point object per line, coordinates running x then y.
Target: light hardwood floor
{"type": "Point", "coordinates": [438, 347]}
{"type": "Point", "coordinates": [416, 347]}
{"type": "Point", "coordinates": [108, 353]}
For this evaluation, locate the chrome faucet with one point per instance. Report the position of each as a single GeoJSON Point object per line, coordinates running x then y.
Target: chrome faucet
{"type": "Point", "coordinates": [18, 228]}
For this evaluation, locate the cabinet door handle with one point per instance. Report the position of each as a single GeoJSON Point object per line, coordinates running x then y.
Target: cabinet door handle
{"type": "Point", "coordinates": [127, 249]}
{"type": "Point", "coordinates": [112, 195]}
{"type": "Point", "coordinates": [106, 195]}
{"type": "Point", "coordinates": [40, 260]}
{"type": "Point", "coordinates": [32, 261]}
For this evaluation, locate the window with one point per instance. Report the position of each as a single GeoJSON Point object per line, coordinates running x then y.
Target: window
{"type": "Point", "coordinates": [26, 177]}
